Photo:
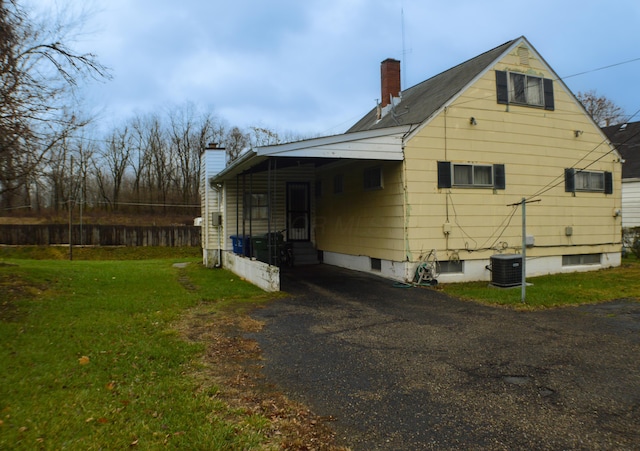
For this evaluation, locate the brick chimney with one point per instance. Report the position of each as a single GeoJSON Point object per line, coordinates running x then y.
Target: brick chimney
{"type": "Point", "coordinates": [390, 80]}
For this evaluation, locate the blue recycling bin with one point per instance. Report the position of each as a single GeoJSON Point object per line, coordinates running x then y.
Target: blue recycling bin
{"type": "Point", "coordinates": [241, 244]}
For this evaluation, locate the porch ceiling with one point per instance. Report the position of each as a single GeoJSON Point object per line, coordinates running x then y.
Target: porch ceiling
{"type": "Point", "coordinates": [383, 144]}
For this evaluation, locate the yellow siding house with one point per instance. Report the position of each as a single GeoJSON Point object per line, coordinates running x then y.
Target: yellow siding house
{"type": "Point", "coordinates": [437, 172]}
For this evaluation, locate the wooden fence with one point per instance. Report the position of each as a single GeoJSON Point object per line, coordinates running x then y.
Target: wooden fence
{"type": "Point", "coordinates": [100, 235]}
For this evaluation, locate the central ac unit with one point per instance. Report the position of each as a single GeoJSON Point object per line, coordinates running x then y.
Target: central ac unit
{"type": "Point", "coordinates": [506, 270]}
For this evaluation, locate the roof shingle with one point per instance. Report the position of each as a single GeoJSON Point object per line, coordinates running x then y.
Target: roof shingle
{"type": "Point", "coordinates": [626, 138]}
{"type": "Point", "coordinates": [422, 100]}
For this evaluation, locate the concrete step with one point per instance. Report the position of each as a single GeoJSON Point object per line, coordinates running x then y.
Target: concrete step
{"type": "Point", "coordinates": [304, 253]}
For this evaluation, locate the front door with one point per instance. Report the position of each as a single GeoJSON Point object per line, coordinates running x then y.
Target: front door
{"type": "Point", "coordinates": [298, 211]}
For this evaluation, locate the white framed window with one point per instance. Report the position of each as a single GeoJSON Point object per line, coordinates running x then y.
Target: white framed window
{"type": "Point", "coordinates": [473, 175]}
{"type": "Point", "coordinates": [588, 181]}
{"type": "Point", "coordinates": [256, 206]}
{"type": "Point", "coordinates": [470, 175]}
{"type": "Point", "coordinates": [451, 267]}
{"type": "Point", "coordinates": [372, 178]}
{"type": "Point", "coordinates": [581, 259]}
{"type": "Point", "coordinates": [524, 89]}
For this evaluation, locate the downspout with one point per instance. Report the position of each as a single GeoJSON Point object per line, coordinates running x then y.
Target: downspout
{"type": "Point", "coordinates": [220, 228]}
{"type": "Point", "coordinates": [269, 212]}
{"type": "Point", "coordinates": [250, 215]}
{"type": "Point", "coordinates": [218, 224]}
{"type": "Point", "coordinates": [446, 236]}
{"type": "Point", "coordinates": [405, 212]}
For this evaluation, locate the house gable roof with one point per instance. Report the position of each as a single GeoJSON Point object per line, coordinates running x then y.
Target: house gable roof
{"type": "Point", "coordinates": [421, 101]}
{"type": "Point", "coordinates": [626, 139]}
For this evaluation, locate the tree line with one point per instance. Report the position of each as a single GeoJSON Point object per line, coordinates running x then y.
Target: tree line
{"type": "Point", "coordinates": [149, 164]}
{"type": "Point", "coordinates": [52, 158]}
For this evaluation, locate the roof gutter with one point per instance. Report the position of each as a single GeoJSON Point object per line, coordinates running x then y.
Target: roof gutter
{"type": "Point", "coordinates": [239, 165]}
{"type": "Point", "coordinates": [320, 148]}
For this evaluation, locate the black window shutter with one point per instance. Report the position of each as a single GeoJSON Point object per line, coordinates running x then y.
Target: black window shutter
{"type": "Point", "coordinates": [499, 179]}
{"type": "Point", "coordinates": [501, 86]}
{"type": "Point", "coordinates": [444, 174]}
{"type": "Point", "coordinates": [608, 183]}
{"type": "Point", "coordinates": [570, 180]}
{"type": "Point", "coordinates": [548, 94]}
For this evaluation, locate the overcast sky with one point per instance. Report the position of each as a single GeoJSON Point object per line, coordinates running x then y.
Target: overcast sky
{"type": "Point", "coordinates": [313, 66]}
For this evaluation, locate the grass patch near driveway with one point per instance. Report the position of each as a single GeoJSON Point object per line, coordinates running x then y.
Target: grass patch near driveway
{"type": "Point", "coordinates": [557, 290]}
{"type": "Point", "coordinates": [101, 355]}
{"type": "Point", "coordinates": [98, 252]}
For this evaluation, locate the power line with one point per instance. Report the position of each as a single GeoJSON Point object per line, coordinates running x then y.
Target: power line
{"type": "Point", "coordinates": [554, 183]}
{"type": "Point", "coordinates": [601, 68]}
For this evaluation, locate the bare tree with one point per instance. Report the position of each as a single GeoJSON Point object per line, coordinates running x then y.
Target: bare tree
{"type": "Point", "coordinates": [261, 136]}
{"type": "Point", "coordinates": [38, 74]}
{"type": "Point", "coordinates": [235, 142]}
{"type": "Point", "coordinates": [183, 140]}
{"type": "Point", "coordinates": [141, 153]}
{"type": "Point", "coordinates": [601, 109]}
{"type": "Point", "coordinates": [116, 158]}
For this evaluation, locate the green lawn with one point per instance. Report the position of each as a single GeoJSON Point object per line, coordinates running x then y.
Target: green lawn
{"type": "Point", "coordinates": [89, 358]}
{"type": "Point", "coordinates": [559, 289]}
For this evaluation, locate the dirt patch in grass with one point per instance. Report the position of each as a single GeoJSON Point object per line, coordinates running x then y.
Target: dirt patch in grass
{"type": "Point", "coordinates": [232, 370]}
{"type": "Point", "coordinates": [14, 288]}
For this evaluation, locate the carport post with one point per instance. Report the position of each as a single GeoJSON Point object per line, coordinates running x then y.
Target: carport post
{"type": "Point", "coordinates": [524, 251]}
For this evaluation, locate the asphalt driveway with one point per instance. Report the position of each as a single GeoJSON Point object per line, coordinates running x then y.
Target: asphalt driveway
{"type": "Point", "coordinates": [413, 369]}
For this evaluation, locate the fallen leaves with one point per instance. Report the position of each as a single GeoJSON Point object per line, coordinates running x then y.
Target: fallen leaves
{"type": "Point", "coordinates": [84, 360]}
{"type": "Point", "coordinates": [232, 361]}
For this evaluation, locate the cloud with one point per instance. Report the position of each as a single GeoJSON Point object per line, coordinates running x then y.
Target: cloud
{"type": "Point", "coordinates": [313, 66]}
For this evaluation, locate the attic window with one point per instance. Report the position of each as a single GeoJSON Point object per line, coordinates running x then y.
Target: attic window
{"type": "Point", "coordinates": [527, 90]}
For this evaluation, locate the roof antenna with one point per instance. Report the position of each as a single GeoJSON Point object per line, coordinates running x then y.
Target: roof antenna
{"type": "Point", "coordinates": [404, 51]}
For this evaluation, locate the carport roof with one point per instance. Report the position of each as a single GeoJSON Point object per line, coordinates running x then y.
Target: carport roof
{"type": "Point", "coordinates": [384, 144]}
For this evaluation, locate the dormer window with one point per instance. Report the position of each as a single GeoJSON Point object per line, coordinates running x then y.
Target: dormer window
{"type": "Point", "coordinates": [522, 89]}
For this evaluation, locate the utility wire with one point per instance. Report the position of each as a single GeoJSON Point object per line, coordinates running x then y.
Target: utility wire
{"type": "Point", "coordinates": [560, 178]}
{"type": "Point", "coordinates": [602, 68]}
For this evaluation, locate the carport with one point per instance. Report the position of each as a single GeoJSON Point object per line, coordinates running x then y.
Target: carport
{"type": "Point", "coordinates": [275, 188]}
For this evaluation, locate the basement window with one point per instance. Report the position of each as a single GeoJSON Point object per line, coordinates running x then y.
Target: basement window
{"type": "Point", "coordinates": [376, 264]}
{"type": "Point", "coordinates": [581, 259]}
{"type": "Point", "coordinates": [451, 267]}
